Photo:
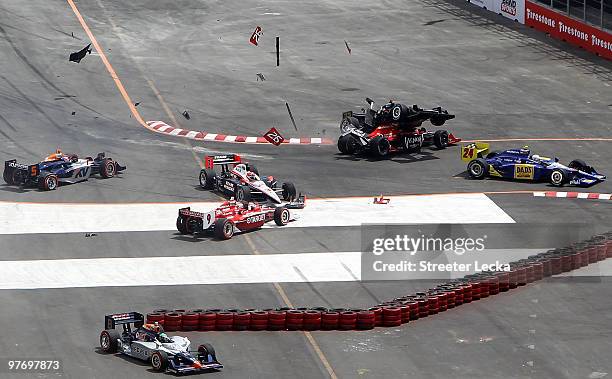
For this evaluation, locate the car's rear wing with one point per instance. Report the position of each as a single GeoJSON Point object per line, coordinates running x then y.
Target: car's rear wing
{"type": "Point", "coordinates": [211, 160]}
{"type": "Point", "coordinates": [111, 321]}
{"type": "Point", "coordinates": [27, 172]}
{"type": "Point", "coordinates": [474, 150]}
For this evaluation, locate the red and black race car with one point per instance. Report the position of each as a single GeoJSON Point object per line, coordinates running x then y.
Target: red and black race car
{"type": "Point", "coordinates": [230, 217]}
{"type": "Point", "coordinates": [394, 127]}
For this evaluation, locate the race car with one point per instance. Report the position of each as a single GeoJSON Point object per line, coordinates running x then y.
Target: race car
{"type": "Point", "coordinates": [148, 342]}
{"type": "Point", "coordinates": [394, 127]}
{"type": "Point", "coordinates": [522, 165]}
{"type": "Point", "coordinates": [241, 181]}
{"type": "Point", "coordinates": [232, 216]}
{"type": "Point", "coordinates": [59, 168]}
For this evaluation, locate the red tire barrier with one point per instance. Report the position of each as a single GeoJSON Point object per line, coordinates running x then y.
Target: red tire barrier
{"type": "Point", "coordinates": [377, 315]}
{"type": "Point", "coordinates": [312, 320]}
{"type": "Point", "coordinates": [366, 320]}
{"type": "Point", "coordinates": [295, 319]}
{"type": "Point", "coordinates": [392, 316]}
{"type": "Point", "coordinates": [413, 307]}
{"type": "Point", "coordinates": [330, 320]}
{"type": "Point", "coordinates": [423, 306]}
{"type": "Point", "coordinates": [224, 320]}
{"type": "Point", "coordinates": [207, 321]}
{"type": "Point", "coordinates": [161, 311]}
{"type": "Point", "coordinates": [493, 283]}
{"type": "Point", "coordinates": [348, 320]}
{"type": "Point", "coordinates": [477, 288]}
{"type": "Point", "coordinates": [432, 304]}
{"type": "Point", "coordinates": [404, 311]}
{"type": "Point", "coordinates": [546, 266]}
{"type": "Point", "coordinates": [576, 261]}
{"type": "Point", "coordinates": [442, 301]}
{"type": "Point", "coordinates": [504, 281]}
{"type": "Point", "coordinates": [154, 317]}
{"type": "Point", "coordinates": [277, 320]}
{"type": "Point", "coordinates": [450, 298]}
{"type": "Point", "coordinates": [566, 263]}
{"type": "Point", "coordinates": [538, 271]}
{"type": "Point", "coordinates": [259, 320]}
{"type": "Point", "coordinates": [600, 250]}
{"type": "Point", "coordinates": [241, 321]}
{"type": "Point", "coordinates": [555, 265]}
{"type": "Point", "coordinates": [468, 291]}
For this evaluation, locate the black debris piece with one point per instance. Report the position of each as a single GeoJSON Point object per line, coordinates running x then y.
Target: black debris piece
{"type": "Point", "coordinates": [260, 76]}
{"type": "Point", "coordinates": [72, 34]}
{"type": "Point", "coordinates": [291, 116]}
{"type": "Point", "coordinates": [277, 51]}
{"type": "Point", "coordinates": [347, 46]}
{"type": "Point", "coordinates": [76, 57]}
{"type": "Point", "coordinates": [186, 114]}
{"type": "Point", "coordinates": [73, 113]}
{"type": "Point", "coordinates": [87, 235]}
{"type": "Point", "coordinates": [137, 104]}
{"type": "Point", "coordinates": [433, 22]}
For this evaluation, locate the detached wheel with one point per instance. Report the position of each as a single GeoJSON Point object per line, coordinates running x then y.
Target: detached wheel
{"type": "Point", "coordinates": [437, 121]}
{"type": "Point", "coordinates": [577, 164]}
{"type": "Point", "coordinates": [557, 177]}
{"type": "Point", "coordinates": [108, 340]}
{"type": "Point", "coordinates": [48, 182]}
{"type": "Point", "coordinates": [281, 216]}
{"type": "Point", "coordinates": [181, 225]}
{"type": "Point", "coordinates": [348, 124]}
{"type": "Point", "coordinates": [108, 168]}
{"type": "Point", "coordinates": [478, 168]}
{"type": "Point", "coordinates": [7, 178]}
{"type": "Point", "coordinates": [289, 192]}
{"type": "Point", "coordinates": [207, 178]}
{"type": "Point", "coordinates": [440, 139]}
{"type": "Point", "coordinates": [159, 361]}
{"type": "Point", "coordinates": [380, 146]}
{"type": "Point", "coordinates": [242, 193]}
{"type": "Point", "coordinates": [224, 229]}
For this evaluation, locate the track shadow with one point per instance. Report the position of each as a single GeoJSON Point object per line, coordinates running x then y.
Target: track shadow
{"type": "Point", "coordinates": [396, 157]}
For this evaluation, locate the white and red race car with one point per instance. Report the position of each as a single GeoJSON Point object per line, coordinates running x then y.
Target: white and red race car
{"type": "Point", "coordinates": [230, 217]}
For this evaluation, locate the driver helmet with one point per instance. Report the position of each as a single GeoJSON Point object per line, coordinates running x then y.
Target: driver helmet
{"type": "Point", "coordinates": [156, 327]}
{"type": "Point", "coordinates": [55, 156]}
{"type": "Point", "coordinates": [525, 150]}
{"type": "Point", "coordinates": [163, 337]}
{"type": "Point", "coordinates": [240, 169]}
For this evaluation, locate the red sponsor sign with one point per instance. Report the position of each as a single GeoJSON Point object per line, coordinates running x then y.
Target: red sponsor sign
{"type": "Point", "coordinates": [274, 137]}
{"type": "Point", "coordinates": [255, 36]}
{"type": "Point", "coordinates": [567, 29]}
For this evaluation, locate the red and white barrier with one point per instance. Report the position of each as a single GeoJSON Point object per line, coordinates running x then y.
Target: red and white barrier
{"type": "Point", "coordinates": [162, 127]}
{"type": "Point", "coordinates": [574, 195]}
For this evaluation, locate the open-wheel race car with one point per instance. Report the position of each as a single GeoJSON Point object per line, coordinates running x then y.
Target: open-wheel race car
{"type": "Point", "coordinates": [231, 217]}
{"type": "Point", "coordinates": [59, 168]}
{"type": "Point", "coordinates": [148, 342]}
{"type": "Point", "coordinates": [394, 127]}
{"type": "Point", "coordinates": [241, 181]}
{"type": "Point", "coordinates": [520, 164]}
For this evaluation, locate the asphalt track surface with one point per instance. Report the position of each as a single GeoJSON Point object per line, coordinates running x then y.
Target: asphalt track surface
{"type": "Point", "coordinates": [502, 80]}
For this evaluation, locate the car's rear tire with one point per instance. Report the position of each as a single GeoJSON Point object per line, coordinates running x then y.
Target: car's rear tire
{"type": "Point", "coordinates": [437, 121]}
{"type": "Point", "coordinates": [289, 191]}
{"type": "Point", "coordinates": [342, 144]}
{"type": "Point", "coordinates": [558, 177]}
{"type": "Point", "coordinates": [282, 216]}
{"type": "Point", "coordinates": [380, 146]}
{"type": "Point", "coordinates": [108, 341]}
{"type": "Point", "coordinates": [440, 139]}
{"type": "Point", "coordinates": [478, 168]}
{"type": "Point", "coordinates": [242, 193]}
{"type": "Point", "coordinates": [159, 361]}
{"type": "Point", "coordinates": [7, 178]}
{"type": "Point", "coordinates": [349, 123]}
{"type": "Point", "coordinates": [207, 178]}
{"type": "Point", "coordinates": [49, 182]}
{"type": "Point", "coordinates": [577, 164]}
{"type": "Point", "coordinates": [206, 349]}
{"type": "Point", "coordinates": [108, 168]}
{"type": "Point", "coordinates": [224, 229]}
{"type": "Point", "coordinates": [181, 225]}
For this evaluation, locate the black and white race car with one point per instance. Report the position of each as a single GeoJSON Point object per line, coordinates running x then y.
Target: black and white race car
{"type": "Point", "coordinates": [241, 181]}
{"type": "Point", "coordinates": [148, 342]}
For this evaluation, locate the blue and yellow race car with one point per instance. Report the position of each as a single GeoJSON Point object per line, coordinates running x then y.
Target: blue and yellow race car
{"type": "Point", "coordinates": [520, 164]}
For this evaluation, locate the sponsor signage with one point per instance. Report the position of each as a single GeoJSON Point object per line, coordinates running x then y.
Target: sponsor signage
{"type": "Point", "coordinates": [512, 9]}
{"type": "Point", "coordinates": [569, 30]}
{"type": "Point", "coordinates": [274, 137]}
{"type": "Point", "coordinates": [487, 4]}
{"type": "Point", "coordinates": [256, 35]}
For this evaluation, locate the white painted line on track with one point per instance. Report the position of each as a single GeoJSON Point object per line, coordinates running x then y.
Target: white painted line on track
{"type": "Point", "coordinates": [29, 218]}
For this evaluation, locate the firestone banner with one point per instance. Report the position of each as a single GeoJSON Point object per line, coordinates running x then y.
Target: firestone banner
{"type": "Point", "coordinates": [512, 9]}
{"type": "Point", "coordinates": [569, 30]}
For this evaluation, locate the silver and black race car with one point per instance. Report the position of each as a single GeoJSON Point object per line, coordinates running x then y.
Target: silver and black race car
{"type": "Point", "coordinates": [241, 181]}
{"type": "Point", "coordinates": [59, 168]}
{"type": "Point", "coordinates": [148, 342]}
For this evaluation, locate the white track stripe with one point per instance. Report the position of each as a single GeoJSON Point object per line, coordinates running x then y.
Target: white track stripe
{"type": "Point", "coordinates": [175, 132]}
{"type": "Point", "coordinates": [250, 140]}
{"type": "Point", "coordinates": [27, 218]}
{"type": "Point", "coordinates": [230, 138]}
{"type": "Point", "coordinates": [191, 134]}
{"type": "Point", "coordinates": [210, 136]}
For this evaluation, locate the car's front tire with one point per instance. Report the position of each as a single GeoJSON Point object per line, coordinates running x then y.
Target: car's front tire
{"type": "Point", "coordinates": [440, 139]}
{"type": "Point", "coordinates": [204, 350]}
{"type": "Point", "coordinates": [478, 168]}
{"type": "Point", "coordinates": [281, 216]}
{"type": "Point", "coordinates": [558, 177]}
{"type": "Point", "coordinates": [242, 193]}
{"type": "Point", "coordinates": [108, 168]}
{"type": "Point", "coordinates": [380, 146]}
{"type": "Point", "coordinates": [159, 361]}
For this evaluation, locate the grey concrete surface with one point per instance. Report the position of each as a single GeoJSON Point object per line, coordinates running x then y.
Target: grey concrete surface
{"type": "Point", "coordinates": [502, 81]}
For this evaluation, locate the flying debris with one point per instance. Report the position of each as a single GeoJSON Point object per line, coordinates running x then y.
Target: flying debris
{"type": "Point", "coordinates": [433, 22]}
{"type": "Point", "coordinates": [260, 76]}
{"type": "Point", "coordinates": [255, 36]}
{"type": "Point", "coordinates": [137, 104]}
{"type": "Point", "coordinates": [291, 115]}
{"type": "Point", "coordinates": [186, 114]}
{"type": "Point", "coordinates": [347, 46]}
{"type": "Point", "coordinates": [76, 57]}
